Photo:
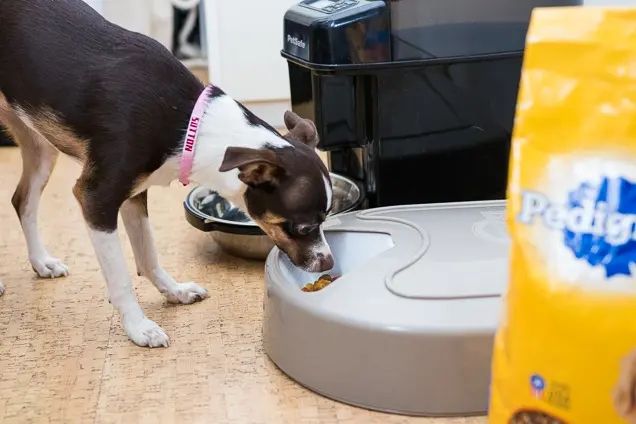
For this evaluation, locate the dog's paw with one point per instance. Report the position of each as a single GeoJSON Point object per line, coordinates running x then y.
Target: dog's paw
{"type": "Point", "coordinates": [187, 293]}
{"type": "Point", "coordinates": [49, 267]}
{"type": "Point", "coordinates": [145, 332]}
{"type": "Point", "coordinates": [1, 288]}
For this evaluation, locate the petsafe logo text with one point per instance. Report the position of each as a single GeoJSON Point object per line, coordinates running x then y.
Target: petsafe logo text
{"type": "Point", "coordinates": [597, 222]}
{"type": "Point", "coordinates": [296, 41]}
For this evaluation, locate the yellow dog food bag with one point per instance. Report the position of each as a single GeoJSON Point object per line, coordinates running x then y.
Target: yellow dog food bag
{"type": "Point", "coordinates": [565, 351]}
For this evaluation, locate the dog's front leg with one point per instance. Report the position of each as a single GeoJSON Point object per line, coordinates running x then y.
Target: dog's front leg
{"type": "Point", "coordinates": [134, 212]}
{"type": "Point", "coordinates": [1, 288]}
{"type": "Point", "coordinates": [101, 217]}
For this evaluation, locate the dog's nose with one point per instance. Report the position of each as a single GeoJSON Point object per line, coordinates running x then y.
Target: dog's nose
{"type": "Point", "coordinates": [325, 262]}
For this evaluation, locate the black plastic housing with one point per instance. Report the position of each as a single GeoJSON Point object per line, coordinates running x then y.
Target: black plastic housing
{"type": "Point", "coordinates": [413, 99]}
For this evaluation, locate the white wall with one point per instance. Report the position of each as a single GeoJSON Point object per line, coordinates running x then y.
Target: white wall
{"type": "Point", "coordinates": [244, 42]}
{"type": "Point", "coordinates": [149, 17]}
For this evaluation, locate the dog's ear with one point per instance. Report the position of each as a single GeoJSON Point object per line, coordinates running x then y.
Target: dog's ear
{"type": "Point", "coordinates": [256, 166]}
{"type": "Point", "coordinates": [301, 130]}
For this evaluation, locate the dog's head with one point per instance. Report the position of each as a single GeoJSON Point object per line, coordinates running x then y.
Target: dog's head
{"type": "Point", "coordinates": [288, 193]}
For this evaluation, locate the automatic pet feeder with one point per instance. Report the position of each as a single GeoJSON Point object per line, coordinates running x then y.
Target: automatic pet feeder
{"type": "Point", "coordinates": [408, 327]}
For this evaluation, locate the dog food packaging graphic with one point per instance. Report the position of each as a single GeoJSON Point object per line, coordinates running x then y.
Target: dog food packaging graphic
{"type": "Point", "coordinates": [565, 350]}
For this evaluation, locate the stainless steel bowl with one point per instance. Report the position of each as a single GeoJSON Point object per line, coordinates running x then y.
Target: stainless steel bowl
{"type": "Point", "coordinates": [236, 233]}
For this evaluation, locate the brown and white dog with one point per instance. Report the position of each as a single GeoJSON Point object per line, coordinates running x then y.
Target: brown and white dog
{"type": "Point", "coordinates": [120, 103]}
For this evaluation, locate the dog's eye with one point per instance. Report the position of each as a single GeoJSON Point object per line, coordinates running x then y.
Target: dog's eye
{"type": "Point", "coordinates": [303, 230]}
{"type": "Point", "coordinates": [299, 229]}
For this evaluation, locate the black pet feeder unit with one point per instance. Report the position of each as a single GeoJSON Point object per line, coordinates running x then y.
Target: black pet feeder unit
{"type": "Point", "coordinates": [413, 99]}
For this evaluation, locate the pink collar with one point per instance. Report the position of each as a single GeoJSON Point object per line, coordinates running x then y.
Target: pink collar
{"type": "Point", "coordinates": [189, 145]}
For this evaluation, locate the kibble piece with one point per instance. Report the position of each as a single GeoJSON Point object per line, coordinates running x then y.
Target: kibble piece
{"type": "Point", "coordinates": [322, 282]}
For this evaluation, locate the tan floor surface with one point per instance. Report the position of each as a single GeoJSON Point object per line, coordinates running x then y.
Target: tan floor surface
{"type": "Point", "coordinates": [64, 357]}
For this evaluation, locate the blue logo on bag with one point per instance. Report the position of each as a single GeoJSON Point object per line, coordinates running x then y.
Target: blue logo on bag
{"type": "Point", "coordinates": [537, 384]}
{"type": "Point", "coordinates": [597, 222]}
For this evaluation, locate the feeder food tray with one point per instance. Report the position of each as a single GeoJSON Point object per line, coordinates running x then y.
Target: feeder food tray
{"type": "Point", "coordinates": [408, 326]}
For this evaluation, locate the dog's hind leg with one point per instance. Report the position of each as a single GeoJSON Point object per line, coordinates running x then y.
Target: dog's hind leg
{"type": "Point", "coordinates": [134, 212]}
{"type": "Point", "coordinates": [38, 161]}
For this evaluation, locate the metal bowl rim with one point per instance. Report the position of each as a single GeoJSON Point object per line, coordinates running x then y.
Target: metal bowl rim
{"type": "Point", "coordinates": [250, 224]}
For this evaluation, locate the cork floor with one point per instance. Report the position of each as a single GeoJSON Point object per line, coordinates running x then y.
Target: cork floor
{"type": "Point", "coordinates": [64, 357]}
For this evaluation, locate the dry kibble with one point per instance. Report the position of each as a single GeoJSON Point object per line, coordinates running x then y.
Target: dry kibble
{"type": "Point", "coordinates": [322, 282]}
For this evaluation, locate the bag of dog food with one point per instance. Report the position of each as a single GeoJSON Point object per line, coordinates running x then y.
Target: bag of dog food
{"type": "Point", "coordinates": [565, 351]}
